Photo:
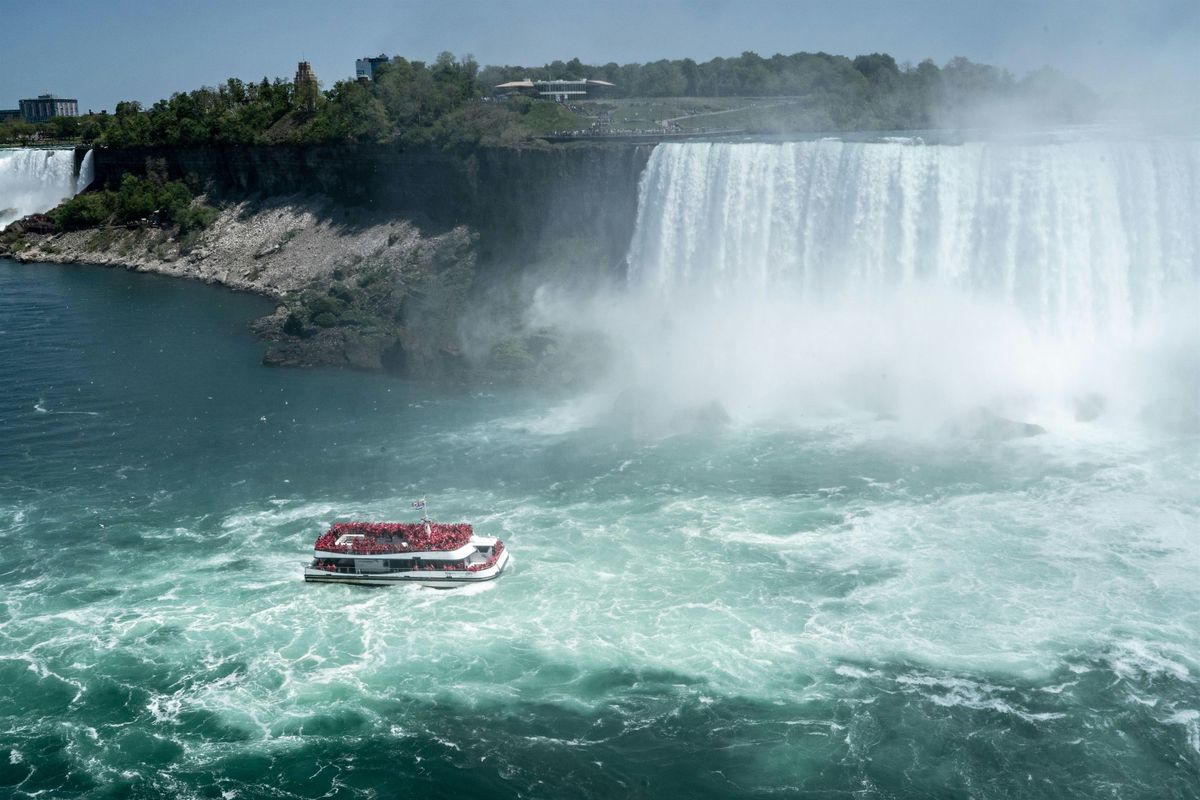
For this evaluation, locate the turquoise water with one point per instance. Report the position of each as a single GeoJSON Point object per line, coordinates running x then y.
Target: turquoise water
{"type": "Point", "coordinates": [828, 608]}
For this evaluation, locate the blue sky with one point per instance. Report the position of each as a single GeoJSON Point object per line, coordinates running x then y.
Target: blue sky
{"type": "Point", "coordinates": [143, 50]}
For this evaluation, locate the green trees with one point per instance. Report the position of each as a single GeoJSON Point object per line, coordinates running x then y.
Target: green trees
{"type": "Point", "coordinates": [64, 127]}
{"type": "Point", "coordinates": [85, 129]}
{"type": "Point", "coordinates": [352, 114]}
{"type": "Point", "coordinates": [448, 103]}
{"type": "Point", "coordinates": [83, 211]}
{"type": "Point", "coordinates": [408, 101]}
{"type": "Point", "coordinates": [232, 113]}
{"type": "Point", "coordinates": [870, 91]}
{"type": "Point", "coordinates": [663, 79]}
{"type": "Point", "coordinates": [16, 130]}
{"type": "Point", "coordinates": [152, 198]}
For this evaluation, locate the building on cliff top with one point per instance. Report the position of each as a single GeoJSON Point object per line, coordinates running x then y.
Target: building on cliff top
{"type": "Point", "coordinates": [364, 68]}
{"type": "Point", "coordinates": [305, 88]}
{"type": "Point", "coordinates": [46, 106]}
{"type": "Point", "coordinates": [558, 90]}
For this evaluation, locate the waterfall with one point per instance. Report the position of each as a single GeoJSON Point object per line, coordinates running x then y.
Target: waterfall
{"type": "Point", "coordinates": [87, 172]}
{"type": "Point", "coordinates": [33, 181]}
{"type": "Point", "coordinates": [1082, 238]}
{"type": "Point", "coordinates": [904, 279]}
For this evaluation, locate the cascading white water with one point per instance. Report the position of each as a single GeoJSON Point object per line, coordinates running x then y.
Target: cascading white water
{"type": "Point", "coordinates": [32, 181]}
{"type": "Point", "coordinates": [911, 280]}
{"type": "Point", "coordinates": [1085, 238]}
{"type": "Point", "coordinates": [87, 172]}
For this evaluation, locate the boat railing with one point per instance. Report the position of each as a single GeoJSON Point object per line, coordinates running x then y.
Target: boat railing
{"type": "Point", "coordinates": [470, 564]}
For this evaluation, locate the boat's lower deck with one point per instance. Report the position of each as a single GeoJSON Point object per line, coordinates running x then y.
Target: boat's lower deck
{"type": "Point", "coordinates": [437, 578]}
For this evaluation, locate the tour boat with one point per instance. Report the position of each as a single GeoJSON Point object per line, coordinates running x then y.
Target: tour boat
{"type": "Point", "coordinates": [425, 553]}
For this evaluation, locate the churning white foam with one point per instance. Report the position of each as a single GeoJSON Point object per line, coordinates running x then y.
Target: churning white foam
{"type": "Point", "coordinates": [33, 181]}
{"type": "Point", "coordinates": [917, 281]}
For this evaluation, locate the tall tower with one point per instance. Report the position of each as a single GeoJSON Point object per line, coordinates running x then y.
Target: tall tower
{"type": "Point", "coordinates": [305, 89]}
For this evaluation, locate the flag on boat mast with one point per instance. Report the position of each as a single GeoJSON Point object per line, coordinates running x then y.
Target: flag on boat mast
{"type": "Point", "coordinates": [420, 506]}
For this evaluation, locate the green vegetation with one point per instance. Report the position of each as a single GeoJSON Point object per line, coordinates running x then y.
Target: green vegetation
{"type": "Point", "coordinates": [828, 92]}
{"type": "Point", "coordinates": [365, 296]}
{"type": "Point", "coordinates": [449, 103]}
{"type": "Point", "coordinates": [85, 129]}
{"type": "Point", "coordinates": [151, 199]}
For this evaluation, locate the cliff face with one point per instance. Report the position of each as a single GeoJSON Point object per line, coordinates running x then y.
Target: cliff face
{"type": "Point", "coordinates": [368, 291]}
{"type": "Point", "coordinates": [275, 247]}
{"type": "Point", "coordinates": [517, 200]}
{"type": "Point", "coordinates": [414, 262]}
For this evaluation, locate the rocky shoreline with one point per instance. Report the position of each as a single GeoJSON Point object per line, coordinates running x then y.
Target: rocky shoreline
{"type": "Point", "coordinates": [354, 289]}
{"type": "Point", "coordinates": [419, 263]}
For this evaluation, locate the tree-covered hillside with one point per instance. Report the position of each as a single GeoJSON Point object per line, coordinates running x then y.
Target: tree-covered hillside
{"type": "Point", "coordinates": [868, 92]}
{"type": "Point", "coordinates": [450, 103]}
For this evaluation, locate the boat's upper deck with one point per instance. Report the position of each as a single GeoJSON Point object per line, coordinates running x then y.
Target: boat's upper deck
{"type": "Point", "coordinates": [383, 538]}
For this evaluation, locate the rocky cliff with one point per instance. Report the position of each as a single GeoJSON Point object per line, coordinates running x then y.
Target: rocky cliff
{"type": "Point", "coordinates": [359, 290]}
{"type": "Point", "coordinates": [379, 255]}
{"type": "Point", "coordinates": [516, 199]}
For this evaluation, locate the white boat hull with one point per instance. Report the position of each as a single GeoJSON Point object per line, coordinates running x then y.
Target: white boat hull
{"type": "Point", "coordinates": [437, 579]}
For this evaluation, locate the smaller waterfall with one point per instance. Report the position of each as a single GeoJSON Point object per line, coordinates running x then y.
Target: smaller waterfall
{"type": "Point", "coordinates": [87, 172]}
{"type": "Point", "coordinates": [33, 181]}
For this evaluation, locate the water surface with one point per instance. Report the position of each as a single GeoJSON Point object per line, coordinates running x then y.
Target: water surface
{"type": "Point", "coordinates": [832, 608]}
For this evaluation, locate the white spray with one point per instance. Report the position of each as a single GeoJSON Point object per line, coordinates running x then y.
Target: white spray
{"type": "Point", "coordinates": [910, 280]}
{"type": "Point", "coordinates": [33, 181]}
{"type": "Point", "coordinates": [87, 172]}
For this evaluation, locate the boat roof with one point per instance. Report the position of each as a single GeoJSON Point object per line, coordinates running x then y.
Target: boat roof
{"type": "Point", "coordinates": [384, 538]}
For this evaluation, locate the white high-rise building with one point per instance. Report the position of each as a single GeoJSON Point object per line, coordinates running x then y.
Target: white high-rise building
{"type": "Point", "coordinates": [45, 106]}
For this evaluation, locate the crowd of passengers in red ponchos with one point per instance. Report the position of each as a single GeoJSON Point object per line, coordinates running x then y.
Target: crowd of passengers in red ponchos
{"type": "Point", "coordinates": [394, 537]}
{"type": "Point", "coordinates": [330, 566]}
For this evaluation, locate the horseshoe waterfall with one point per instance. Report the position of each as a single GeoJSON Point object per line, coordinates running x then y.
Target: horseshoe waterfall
{"type": "Point", "coordinates": [903, 277]}
{"type": "Point", "coordinates": [886, 484]}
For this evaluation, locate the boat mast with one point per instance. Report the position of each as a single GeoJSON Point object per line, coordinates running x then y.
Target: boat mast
{"type": "Point", "coordinates": [420, 504]}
